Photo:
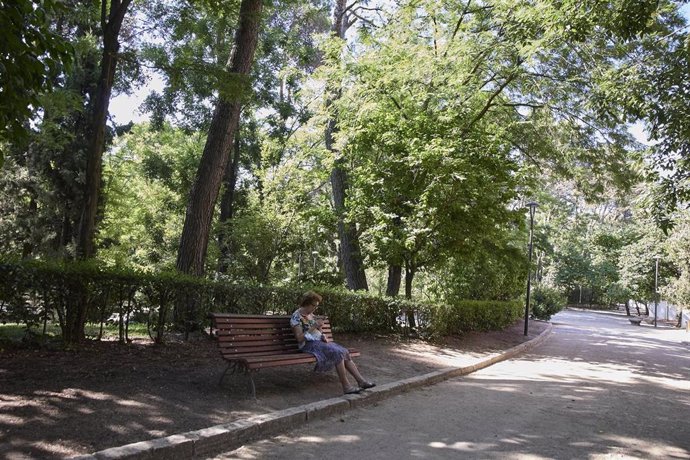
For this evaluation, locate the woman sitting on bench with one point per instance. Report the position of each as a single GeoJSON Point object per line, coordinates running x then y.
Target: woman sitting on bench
{"type": "Point", "coordinates": [307, 330]}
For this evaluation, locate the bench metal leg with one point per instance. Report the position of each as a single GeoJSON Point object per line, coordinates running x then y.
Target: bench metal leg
{"type": "Point", "coordinates": [233, 366]}
{"type": "Point", "coordinates": [252, 386]}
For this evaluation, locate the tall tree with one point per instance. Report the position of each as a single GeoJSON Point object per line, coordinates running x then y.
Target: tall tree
{"type": "Point", "coordinates": [197, 227]}
{"type": "Point", "coordinates": [111, 23]}
{"type": "Point", "coordinates": [350, 252]}
{"type": "Point", "coordinates": [287, 55]}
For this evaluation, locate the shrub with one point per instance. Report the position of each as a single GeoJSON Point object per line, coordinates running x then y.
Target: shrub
{"type": "Point", "coordinates": [472, 315]}
{"type": "Point", "coordinates": [546, 302]}
{"type": "Point", "coordinates": [81, 292]}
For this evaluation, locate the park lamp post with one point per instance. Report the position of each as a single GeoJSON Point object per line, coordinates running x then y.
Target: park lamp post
{"type": "Point", "coordinates": [532, 208]}
{"type": "Point", "coordinates": [656, 287]}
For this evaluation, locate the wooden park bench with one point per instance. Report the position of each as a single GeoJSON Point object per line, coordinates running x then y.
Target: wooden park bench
{"type": "Point", "coordinates": [636, 320]}
{"type": "Point", "coordinates": [253, 342]}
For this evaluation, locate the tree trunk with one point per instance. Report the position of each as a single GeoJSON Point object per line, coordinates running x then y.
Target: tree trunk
{"type": "Point", "coordinates": [227, 202]}
{"type": "Point", "coordinates": [353, 265]}
{"type": "Point", "coordinates": [680, 318]}
{"type": "Point", "coordinates": [197, 226]}
{"type": "Point", "coordinates": [352, 261]}
{"type": "Point", "coordinates": [627, 307]}
{"type": "Point", "coordinates": [99, 113]}
{"type": "Point", "coordinates": [28, 247]}
{"type": "Point", "coordinates": [394, 280]}
{"type": "Point", "coordinates": [394, 268]}
{"type": "Point", "coordinates": [409, 276]}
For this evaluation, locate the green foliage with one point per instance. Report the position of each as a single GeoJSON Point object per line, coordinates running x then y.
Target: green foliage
{"type": "Point", "coordinates": [493, 272]}
{"type": "Point", "coordinates": [546, 302]}
{"type": "Point", "coordinates": [148, 178]}
{"type": "Point", "coordinates": [450, 114]}
{"type": "Point", "coordinates": [472, 315]}
{"type": "Point", "coordinates": [637, 262]}
{"type": "Point", "coordinates": [32, 56]}
{"type": "Point", "coordinates": [432, 173]}
{"type": "Point", "coordinates": [32, 292]}
{"type": "Point", "coordinates": [674, 266]}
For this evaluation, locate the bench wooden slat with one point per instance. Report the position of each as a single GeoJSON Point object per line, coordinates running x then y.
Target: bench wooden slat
{"type": "Point", "coordinates": [238, 316]}
{"type": "Point", "coordinates": [224, 336]}
{"type": "Point", "coordinates": [248, 350]}
{"type": "Point", "coordinates": [229, 348]}
{"type": "Point", "coordinates": [251, 326]}
{"type": "Point", "coordinates": [248, 356]}
{"type": "Point", "coordinates": [250, 341]}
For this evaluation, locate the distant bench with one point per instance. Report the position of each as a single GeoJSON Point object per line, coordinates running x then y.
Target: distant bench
{"type": "Point", "coordinates": [253, 342]}
{"type": "Point", "coordinates": [636, 320]}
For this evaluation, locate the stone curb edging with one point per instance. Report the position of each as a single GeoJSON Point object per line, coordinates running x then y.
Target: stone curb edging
{"type": "Point", "coordinates": [230, 436]}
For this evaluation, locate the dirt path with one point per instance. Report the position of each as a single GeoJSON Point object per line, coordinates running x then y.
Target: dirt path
{"type": "Point", "coordinates": [59, 404]}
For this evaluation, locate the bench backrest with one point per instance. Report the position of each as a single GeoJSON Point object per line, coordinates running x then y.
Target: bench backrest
{"type": "Point", "coordinates": [256, 335]}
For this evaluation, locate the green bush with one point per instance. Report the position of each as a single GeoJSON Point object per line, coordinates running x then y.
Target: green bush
{"type": "Point", "coordinates": [75, 293]}
{"type": "Point", "coordinates": [472, 315]}
{"type": "Point", "coordinates": [546, 302]}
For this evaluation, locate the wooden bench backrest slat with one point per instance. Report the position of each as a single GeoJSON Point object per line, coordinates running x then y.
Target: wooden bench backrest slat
{"type": "Point", "coordinates": [258, 339]}
{"type": "Point", "coordinates": [234, 317]}
{"type": "Point", "coordinates": [254, 348]}
{"type": "Point", "coordinates": [244, 336]}
{"type": "Point", "coordinates": [254, 338]}
{"type": "Point", "coordinates": [250, 326]}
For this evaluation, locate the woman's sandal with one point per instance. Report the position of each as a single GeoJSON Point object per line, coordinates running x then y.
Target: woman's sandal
{"type": "Point", "coordinates": [352, 391]}
{"type": "Point", "coordinates": [364, 385]}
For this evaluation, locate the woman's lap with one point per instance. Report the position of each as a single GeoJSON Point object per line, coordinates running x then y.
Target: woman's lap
{"type": "Point", "coordinates": [328, 355]}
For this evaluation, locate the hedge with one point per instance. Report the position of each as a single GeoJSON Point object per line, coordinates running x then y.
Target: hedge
{"type": "Point", "coordinates": [73, 293]}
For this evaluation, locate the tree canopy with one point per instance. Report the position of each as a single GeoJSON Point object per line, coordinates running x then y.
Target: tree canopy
{"type": "Point", "coordinates": [354, 144]}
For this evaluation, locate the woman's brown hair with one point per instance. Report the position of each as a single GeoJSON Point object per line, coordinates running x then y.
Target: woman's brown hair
{"type": "Point", "coordinates": [310, 298]}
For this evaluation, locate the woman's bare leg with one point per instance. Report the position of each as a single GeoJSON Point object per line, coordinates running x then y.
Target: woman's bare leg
{"type": "Point", "coordinates": [342, 375]}
{"type": "Point", "coordinates": [352, 369]}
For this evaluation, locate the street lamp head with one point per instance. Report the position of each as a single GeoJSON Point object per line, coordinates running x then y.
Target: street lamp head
{"type": "Point", "coordinates": [531, 205]}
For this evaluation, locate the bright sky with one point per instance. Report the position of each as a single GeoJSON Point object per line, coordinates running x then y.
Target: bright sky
{"type": "Point", "coordinates": [125, 108]}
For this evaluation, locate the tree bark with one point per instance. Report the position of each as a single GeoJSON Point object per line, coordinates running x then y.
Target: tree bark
{"type": "Point", "coordinates": [409, 276]}
{"type": "Point", "coordinates": [394, 267]}
{"type": "Point", "coordinates": [99, 113]}
{"type": "Point", "coordinates": [227, 207]}
{"type": "Point", "coordinates": [394, 280]}
{"type": "Point", "coordinates": [191, 255]}
{"type": "Point", "coordinates": [353, 265]}
{"type": "Point", "coordinates": [352, 261]}
{"type": "Point", "coordinates": [410, 271]}
{"type": "Point", "coordinates": [111, 23]}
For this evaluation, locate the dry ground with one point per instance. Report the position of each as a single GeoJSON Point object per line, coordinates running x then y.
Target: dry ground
{"type": "Point", "coordinates": [56, 404]}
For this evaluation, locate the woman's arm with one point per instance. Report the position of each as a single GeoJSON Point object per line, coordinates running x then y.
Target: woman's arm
{"type": "Point", "coordinates": [299, 335]}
